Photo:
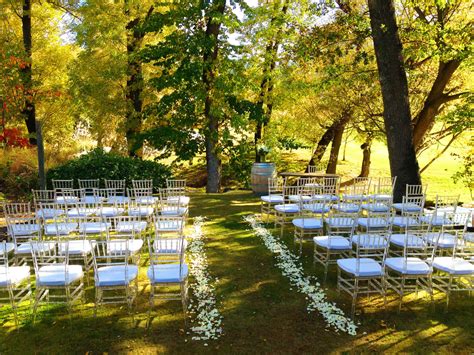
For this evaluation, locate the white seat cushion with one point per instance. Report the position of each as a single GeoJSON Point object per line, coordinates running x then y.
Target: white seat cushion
{"type": "Point", "coordinates": [174, 211]}
{"type": "Point", "coordinates": [118, 246]}
{"type": "Point", "coordinates": [324, 197]}
{"type": "Point", "coordinates": [167, 273]}
{"type": "Point", "coordinates": [142, 211]}
{"type": "Point", "coordinates": [454, 266]}
{"type": "Point", "coordinates": [49, 213]}
{"type": "Point", "coordinates": [437, 221]}
{"type": "Point", "coordinates": [413, 241]}
{"type": "Point", "coordinates": [407, 207]}
{"type": "Point", "coordinates": [129, 227]}
{"type": "Point", "coordinates": [363, 267]}
{"type": "Point", "coordinates": [349, 197]}
{"type": "Point", "coordinates": [81, 212]}
{"type": "Point", "coordinates": [412, 266]}
{"type": "Point", "coordinates": [75, 247]}
{"type": "Point", "coordinates": [375, 207]}
{"type": "Point", "coordinates": [110, 211]}
{"type": "Point", "coordinates": [369, 241]}
{"type": "Point", "coordinates": [24, 229]}
{"type": "Point", "coordinates": [445, 240]}
{"type": "Point", "coordinates": [380, 197]}
{"type": "Point", "coordinates": [372, 222]}
{"type": "Point", "coordinates": [308, 223]}
{"type": "Point", "coordinates": [404, 222]}
{"type": "Point", "coordinates": [118, 199]}
{"type": "Point", "coordinates": [299, 198]}
{"type": "Point", "coordinates": [15, 276]}
{"type": "Point", "coordinates": [335, 242]}
{"type": "Point", "coordinates": [316, 207]}
{"type": "Point", "coordinates": [26, 248]}
{"type": "Point", "coordinates": [93, 227]}
{"type": "Point", "coordinates": [469, 237]}
{"type": "Point", "coordinates": [55, 275]}
{"type": "Point", "coordinates": [62, 228]}
{"type": "Point", "coordinates": [287, 208]}
{"type": "Point", "coordinates": [346, 207]}
{"type": "Point", "coordinates": [182, 200]}
{"type": "Point", "coordinates": [6, 248]}
{"type": "Point", "coordinates": [147, 200]}
{"type": "Point", "coordinates": [272, 198]}
{"type": "Point", "coordinates": [169, 246]}
{"type": "Point", "coordinates": [92, 199]}
{"type": "Point", "coordinates": [116, 275]}
{"type": "Point", "coordinates": [67, 200]}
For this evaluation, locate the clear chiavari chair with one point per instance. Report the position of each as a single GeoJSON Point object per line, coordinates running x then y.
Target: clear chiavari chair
{"type": "Point", "coordinates": [411, 210]}
{"type": "Point", "coordinates": [22, 230]}
{"type": "Point", "coordinates": [56, 280]}
{"type": "Point", "coordinates": [143, 184]}
{"type": "Point", "coordinates": [115, 276]}
{"type": "Point", "coordinates": [412, 270]}
{"type": "Point", "coordinates": [383, 189]}
{"type": "Point", "coordinates": [117, 191]}
{"type": "Point", "coordinates": [275, 196]}
{"type": "Point", "coordinates": [174, 208]}
{"type": "Point", "coordinates": [357, 190]}
{"type": "Point", "coordinates": [310, 221]}
{"type": "Point", "coordinates": [364, 273]}
{"type": "Point", "coordinates": [337, 240]}
{"type": "Point", "coordinates": [69, 196]}
{"type": "Point", "coordinates": [455, 272]}
{"type": "Point", "coordinates": [65, 184]}
{"type": "Point", "coordinates": [15, 282]}
{"type": "Point", "coordinates": [167, 271]}
{"type": "Point", "coordinates": [328, 190]}
{"type": "Point", "coordinates": [442, 204]}
{"type": "Point", "coordinates": [126, 230]}
{"type": "Point", "coordinates": [445, 237]}
{"type": "Point", "coordinates": [288, 210]}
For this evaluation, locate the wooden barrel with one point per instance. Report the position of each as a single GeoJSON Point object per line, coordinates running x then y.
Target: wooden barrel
{"type": "Point", "coordinates": [261, 172]}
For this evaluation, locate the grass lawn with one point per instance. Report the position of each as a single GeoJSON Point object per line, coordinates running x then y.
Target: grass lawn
{"type": "Point", "coordinates": [261, 313]}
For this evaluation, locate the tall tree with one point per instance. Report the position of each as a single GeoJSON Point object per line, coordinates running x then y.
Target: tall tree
{"type": "Point", "coordinates": [135, 82]}
{"type": "Point", "coordinates": [393, 81]}
{"type": "Point", "coordinates": [265, 98]}
{"type": "Point", "coordinates": [213, 160]}
{"type": "Point", "coordinates": [29, 111]}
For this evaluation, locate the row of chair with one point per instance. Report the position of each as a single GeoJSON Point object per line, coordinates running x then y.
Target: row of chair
{"type": "Point", "coordinates": [366, 231]}
{"type": "Point", "coordinates": [108, 245]}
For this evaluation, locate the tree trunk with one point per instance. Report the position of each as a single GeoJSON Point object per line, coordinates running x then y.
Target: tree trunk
{"type": "Point", "coordinates": [266, 86]}
{"type": "Point", "coordinates": [336, 146]}
{"type": "Point", "coordinates": [393, 81]}
{"type": "Point", "coordinates": [40, 152]}
{"type": "Point", "coordinates": [135, 84]}
{"type": "Point", "coordinates": [425, 119]}
{"type": "Point", "coordinates": [323, 143]}
{"type": "Point", "coordinates": [213, 161]}
{"type": "Point", "coordinates": [29, 111]}
{"type": "Point", "coordinates": [366, 152]}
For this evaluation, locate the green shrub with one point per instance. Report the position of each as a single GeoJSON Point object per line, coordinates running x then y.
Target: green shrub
{"type": "Point", "coordinates": [18, 172]}
{"type": "Point", "coordinates": [98, 164]}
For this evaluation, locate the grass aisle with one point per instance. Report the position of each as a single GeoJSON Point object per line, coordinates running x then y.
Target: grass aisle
{"type": "Point", "coordinates": [260, 311]}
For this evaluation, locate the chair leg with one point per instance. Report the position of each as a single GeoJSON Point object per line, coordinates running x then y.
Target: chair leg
{"type": "Point", "coordinates": [35, 306]}
{"type": "Point", "coordinates": [354, 297]}
{"type": "Point", "coordinates": [13, 305]}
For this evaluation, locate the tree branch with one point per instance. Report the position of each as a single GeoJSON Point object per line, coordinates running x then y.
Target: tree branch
{"type": "Point", "coordinates": [453, 138]}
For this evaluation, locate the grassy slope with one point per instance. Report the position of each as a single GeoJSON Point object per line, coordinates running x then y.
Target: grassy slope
{"type": "Point", "coordinates": [261, 313]}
